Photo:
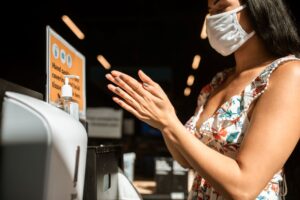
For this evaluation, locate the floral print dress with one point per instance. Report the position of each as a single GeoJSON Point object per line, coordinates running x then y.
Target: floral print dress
{"type": "Point", "coordinates": [225, 129]}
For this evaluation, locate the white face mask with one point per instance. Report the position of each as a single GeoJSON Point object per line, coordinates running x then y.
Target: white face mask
{"type": "Point", "coordinates": [225, 33]}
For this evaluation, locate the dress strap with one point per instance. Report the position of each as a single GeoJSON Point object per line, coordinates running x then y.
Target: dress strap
{"type": "Point", "coordinates": [220, 77]}
{"type": "Point", "coordinates": [260, 84]}
{"type": "Point", "coordinates": [206, 90]}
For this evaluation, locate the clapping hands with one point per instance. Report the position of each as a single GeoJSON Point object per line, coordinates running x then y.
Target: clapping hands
{"type": "Point", "coordinates": [145, 98]}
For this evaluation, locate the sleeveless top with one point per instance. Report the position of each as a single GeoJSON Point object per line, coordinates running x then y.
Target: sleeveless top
{"type": "Point", "coordinates": [225, 129]}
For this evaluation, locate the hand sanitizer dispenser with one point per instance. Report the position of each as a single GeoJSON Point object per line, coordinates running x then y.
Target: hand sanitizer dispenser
{"type": "Point", "coordinates": [66, 102]}
{"type": "Point", "coordinates": [43, 151]}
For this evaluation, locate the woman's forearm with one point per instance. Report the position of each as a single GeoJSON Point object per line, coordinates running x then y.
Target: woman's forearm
{"type": "Point", "coordinates": [176, 154]}
{"type": "Point", "coordinates": [226, 179]}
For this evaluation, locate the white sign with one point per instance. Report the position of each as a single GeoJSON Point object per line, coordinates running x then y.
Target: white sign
{"type": "Point", "coordinates": [104, 122]}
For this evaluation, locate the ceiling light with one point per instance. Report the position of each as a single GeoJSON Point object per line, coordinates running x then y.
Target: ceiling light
{"type": "Point", "coordinates": [203, 34]}
{"type": "Point", "coordinates": [103, 62]}
{"type": "Point", "coordinates": [73, 27]}
{"type": "Point", "coordinates": [190, 80]}
{"type": "Point", "coordinates": [187, 91]}
{"type": "Point", "coordinates": [196, 61]}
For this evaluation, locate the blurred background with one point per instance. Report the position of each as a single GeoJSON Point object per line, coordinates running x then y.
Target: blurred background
{"type": "Point", "coordinates": [161, 37]}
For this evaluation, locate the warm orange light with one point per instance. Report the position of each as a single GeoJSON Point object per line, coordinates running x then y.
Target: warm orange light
{"type": "Point", "coordinates": [190, 80]}
{"type": "Point", "coordinates": [187, 91]}
{"type": "Point", "coordinates": [203, 34]}
{"type": "Point", "coordinates": [103, 62]}
{"type": "Point", "coordinates": [196, 62]}
{"type": "Point", "coordinates": [73, 27]}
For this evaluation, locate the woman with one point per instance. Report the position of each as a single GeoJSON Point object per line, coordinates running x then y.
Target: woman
{"type": "Point", "coordinates": [246, 122]}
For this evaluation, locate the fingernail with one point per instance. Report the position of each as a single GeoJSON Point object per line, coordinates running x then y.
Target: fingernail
{"type": "Point", "coordinates": [109, 86]}
{"type": "Point", "coordinates": [117, 79]}
{"type": "Point", "coordinates": [107, 76]}
{"type": "Point", "coordinates": [116, 99]}
{"type": "Point", "coordinates": [117, 90]}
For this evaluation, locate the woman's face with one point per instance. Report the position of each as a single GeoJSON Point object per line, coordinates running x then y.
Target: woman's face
{"type": "Point", "coordinates": [220, 6]}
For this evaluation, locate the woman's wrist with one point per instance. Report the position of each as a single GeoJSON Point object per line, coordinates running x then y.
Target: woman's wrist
{"type": "Point", "coordinates": [171, 126]}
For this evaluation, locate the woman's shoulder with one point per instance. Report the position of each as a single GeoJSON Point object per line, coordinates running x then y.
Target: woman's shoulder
{"type": "Point", "coordinates": [292, 65]}
{"type": "Point", "coordinates": [286, 79]}
{"type": "Point", "coordinates": [288, 71]}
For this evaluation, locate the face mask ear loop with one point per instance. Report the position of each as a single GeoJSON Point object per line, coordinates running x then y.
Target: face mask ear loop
{"type": "Point", "coordinates": [250, 35]}
{"type": "Point", "coordinates": [238, 9]}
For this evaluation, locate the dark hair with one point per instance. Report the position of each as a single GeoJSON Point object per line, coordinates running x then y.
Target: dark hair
{"type": "Point", "coordinates": [273, 22]}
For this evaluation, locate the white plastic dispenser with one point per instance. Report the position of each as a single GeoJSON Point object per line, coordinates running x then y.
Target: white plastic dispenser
{"type": "Point", "coordinates": [43, 153]}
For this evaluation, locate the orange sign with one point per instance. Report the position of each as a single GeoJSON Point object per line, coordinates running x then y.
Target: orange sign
{"type": "Point", "coordinates": [63, 59]}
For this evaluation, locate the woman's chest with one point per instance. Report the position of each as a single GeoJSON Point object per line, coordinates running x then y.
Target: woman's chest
{"type": "Point", "coordinates": [224, 129]}
{"type": "Point", "coordinates": [226, 99]}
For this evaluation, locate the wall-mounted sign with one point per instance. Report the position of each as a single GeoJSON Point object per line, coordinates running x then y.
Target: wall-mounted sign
{"type": "Point", "coordinates": [64, 59]}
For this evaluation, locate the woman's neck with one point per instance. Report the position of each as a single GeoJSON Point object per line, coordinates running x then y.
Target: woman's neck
{"type": "Point", "coordinates": [252, 54]}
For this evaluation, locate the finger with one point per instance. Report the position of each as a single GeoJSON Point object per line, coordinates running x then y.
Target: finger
{"type": "Point", "coordinates": [118, 91]}
{"type": "Point", "coordinates": [145, 78]}
{"type": "Point", "coordinates": [150, 85]}
{"type": "Point", "coordinates": [127, 107]}
{"type": "Point", "coordinates": [116, 80]}
{"type": "Point", "coordinates": [141, 107]}
{"type": "Point", "coordinates": [153, 90]}
{"type": "Point", "coordinates": [144, 99]}
{"type": "Point", "coordinates": [131, 82]}
{"type": "Point", "coordinates": [116, 73]}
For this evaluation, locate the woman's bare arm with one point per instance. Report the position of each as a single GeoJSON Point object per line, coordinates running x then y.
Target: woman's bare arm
{"type": "Point", "coordinates": [174, 152]}
{"type": "Point", "coordinates": [271, 137]}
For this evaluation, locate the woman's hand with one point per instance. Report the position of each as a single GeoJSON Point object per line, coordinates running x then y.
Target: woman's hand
{"type": "Point", "coordinates": [146, 99]}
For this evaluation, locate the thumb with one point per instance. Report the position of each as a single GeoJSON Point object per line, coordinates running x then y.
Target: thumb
{"type": "Point", "coordinates": [145, 78]}
{"type": "Point", "coordinates": [150, 85]}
